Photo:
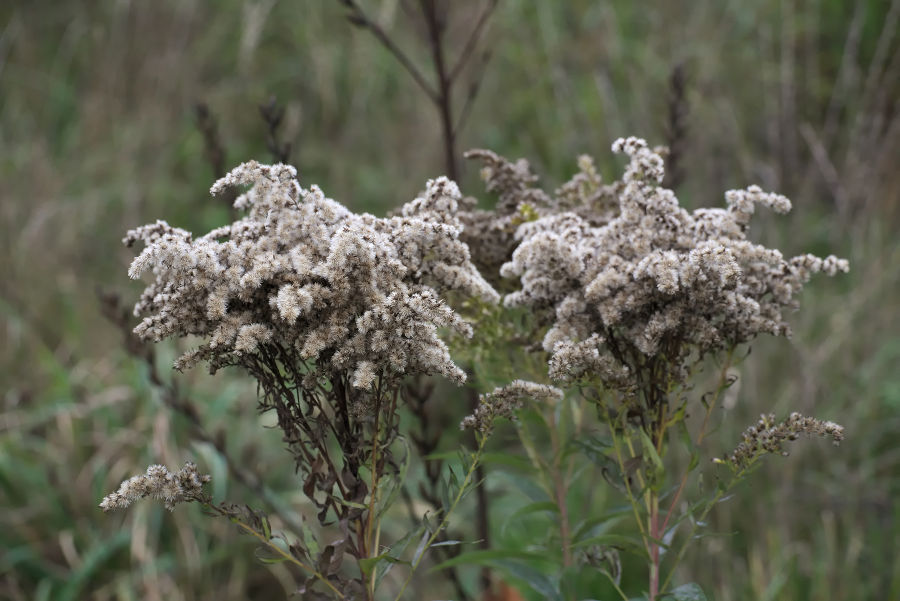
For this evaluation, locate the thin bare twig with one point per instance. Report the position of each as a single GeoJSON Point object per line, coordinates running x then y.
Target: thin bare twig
{"type": "Point", "coordinates": [436, 29]}
{"type": "Point", "coordinates": [273, 114]}
{"type": "Point", "coordinates": [441, 92]}
{"type": "Point", "coordinates": [215, 150]}
{"type": "Point", "coordinates": [676, 127]}
{"type": "Point", "coordinates": [359, 18]}
{"type": "Point", "coordinates": [474, 88]}
{"type": "Point", "coordinates": [209, 127]}
{"type": "Point", "coordinates": [472, 42]}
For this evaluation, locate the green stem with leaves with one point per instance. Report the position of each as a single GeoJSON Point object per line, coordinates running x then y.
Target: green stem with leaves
{"type": "Point", "coordinates": [420, 553]}
{"type": "Point", "coordinates": [267, 541]}
{"type": "Point", "coordinates": [723, 490]}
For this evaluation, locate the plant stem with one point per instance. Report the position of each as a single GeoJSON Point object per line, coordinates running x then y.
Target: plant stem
{"type": "Point", "coordinates": [631, 498]}
{"type": "Point", "coordinates": [560, 493]}
{"type": "Point", "coordinates": [720, 390]}
{"type": "Point", "coordinates": [476, 461]}
{"type": "Point", "coordinates": [371, 547]}
{"type": "Point", "coordinates": [654, 546]}
{"type": "Point", "coordinates": [696, 523]}
{"type": "Point", "coordinates": [281, 552]}
{"type": "Point", "coordinates": [444, 99]}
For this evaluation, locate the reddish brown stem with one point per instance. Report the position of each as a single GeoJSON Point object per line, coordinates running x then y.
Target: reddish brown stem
{"type": "Point", "coordinates": [654, 549]}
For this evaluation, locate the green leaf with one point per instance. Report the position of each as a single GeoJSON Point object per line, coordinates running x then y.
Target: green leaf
{"type": "Point", "coordinates": [421, 548]}
{"type": "Point", "coordinates": [277, 559]}
{"type": "Point", "coordinates": [309, 539]}
{"type": "Point", "coordinates": [626, 543]}
{"type": "Point", "coordinates": [397, 482]}
{"type": "Point", "coordinates": [689, 444]}
{"type": "Point", "coordinates": [540, 506]}
{"type": "Point", "coordinates": [507, 460]}
{"type": "Point", "coordinates": [607, 520]}
{"type": "Point", "coordinates": [486, 557]}
{"type": "Point", "coordinates": [687, 592]}
{"type": "Point", "coordinates": [650, 449]}
{"type": "Point", "coordinates": [442, 456]}
{"type": "Point", "coordinates": [353, 504]}
{"type": "Point", "coordinates": [395, 550]}
{"type": "Point", "coordinates": [447, 543]}
{"type": "Point", "coordinates": [538, 581]}
{"type": "Point", "coordinates": [93, 562]}
{"type": "Point", "coordinates": [368, 564]}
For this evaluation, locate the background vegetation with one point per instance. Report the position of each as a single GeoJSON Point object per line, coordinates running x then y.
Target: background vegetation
{"type": "Point", "coordinates": [98, 134]}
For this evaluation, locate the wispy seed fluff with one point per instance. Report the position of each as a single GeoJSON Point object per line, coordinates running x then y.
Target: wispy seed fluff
{"type": "Point", "coordinates": [159, 483]}
{"type": "Point", "coordinates": [504, 401]}
{"type": "Point", "coordinates": [768, 437]}
{"type": "Point", "coordinates": [353, 293]}
{"type": "Point", "coordinates": [651, 280]}
{"type": "Point", "coordinates": [491, 235]}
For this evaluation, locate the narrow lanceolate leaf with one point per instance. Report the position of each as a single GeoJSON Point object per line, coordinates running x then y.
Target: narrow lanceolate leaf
{"type": "Point", "coordinates": [487, 557]}
{"type": "Point", "coordinates": [397, 483]}
{"type": "Point", "coordinates": [447, 543]}
{"type": "Point", "coordinates": [618, 541]}
{"type": "Point", "coordinates": [539, 507]}
{"type": "Point", "coordinates": [538, 581]}
{"type": "Point", "coordinates": [687, 592]}
{"type": "Point", "coordinates": [371, 563]}
{"type": "Point", "coordinates": [650, 449]}
{"type": "Point", "coordinates": [389, 557]}
{"type": "Point", "coordinates": [421, 548]}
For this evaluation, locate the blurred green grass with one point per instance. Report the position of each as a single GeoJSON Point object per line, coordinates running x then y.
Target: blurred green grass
{"type": "Point", "coordinates": [97, 135]}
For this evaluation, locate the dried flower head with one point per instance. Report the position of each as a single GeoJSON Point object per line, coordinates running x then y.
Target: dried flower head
{"type": "Point", "coordinates": [491, 235]}
{"type": "Point", "coordinates": [767, 437]}
{"type": "Point", "coordinates": [159, 483]}
{"type": "Point", "coordinates": [653, 282]}
{"type": "Point", "coordinates": [351, 293]}
{"type": "Point", "coordinates": [504, 401]}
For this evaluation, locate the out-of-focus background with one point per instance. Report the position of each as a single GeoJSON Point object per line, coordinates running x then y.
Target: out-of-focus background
{"type": "Point", "coordinates": [99, 133]}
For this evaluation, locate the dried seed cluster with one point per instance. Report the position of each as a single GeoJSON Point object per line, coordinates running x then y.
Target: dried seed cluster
{"type": "Point", "coordinates": [504, 401]}
{"type": "Point", "coordinates": [352, 293]}
{"type": "Point", "coordinates": [768, 437]}
{"type": "Point", "coordinates": [159, 483]}
{"type": "Point", "coordinates": [647, 279]}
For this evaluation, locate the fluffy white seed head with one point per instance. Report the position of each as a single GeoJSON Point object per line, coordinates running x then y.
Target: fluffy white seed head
{"type": "Point", "coordinates": [300, 271]}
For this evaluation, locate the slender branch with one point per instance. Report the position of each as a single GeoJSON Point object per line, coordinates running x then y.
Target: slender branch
{"type": "Point", "coordinates": [483, 521]}
{"type": "Point", "coordinates": [632, 500]}
{"type": "Point", "coordinates": [268, 542]}
{"type": "Point", "coordinates": [615, 585]}
{"type": "Point", "coordinates": [654, 545]}
{"type": "Point", "coordinates": [416, 395]}
{"type": "Point", "coordinates": [441, 92]}
{"type": "Point", "coordinates": [696, 524]}
{"type": "Point", "coordinates": [476, 460]}
{"type": "Point", "coordinates": [720, 390]}
{"type": "Point", "coordinates": [474, 89]}
{"type": "Point", "coordinates": [560, 492]}
{"type": "Point", "coordinates": [472, 42]}
{"type": "Point", "coordinates": [435, 38]}
{"type": "Point", "coordinates": [373, 496]}
{"type": "Point", "coordinates": [359, 18]}
{"type": "Point", "coordinates": [273, 114]}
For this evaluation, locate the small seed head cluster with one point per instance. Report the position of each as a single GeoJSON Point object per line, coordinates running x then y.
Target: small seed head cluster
{"type": "Point", "coordinates": [504, 401]}
{"type": "Point", "coordinates": [768, 437]}
{"type": "Point", "coordinates": [351, 293]}
{"type": "Point", "coordinates": [159, 483]}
